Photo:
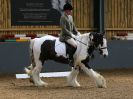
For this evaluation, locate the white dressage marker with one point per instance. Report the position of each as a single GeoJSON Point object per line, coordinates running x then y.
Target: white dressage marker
{"type": "Point", "coordinates": [53, 74]}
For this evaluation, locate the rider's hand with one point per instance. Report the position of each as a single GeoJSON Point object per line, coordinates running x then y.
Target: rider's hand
{"type": "Point", "coordinates": [78, 34]}
{"type": "Point", "coordinates": [73, 36]}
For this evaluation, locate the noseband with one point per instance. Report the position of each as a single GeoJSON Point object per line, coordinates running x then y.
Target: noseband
{"type": "Point", "coordinates": [103, 48]}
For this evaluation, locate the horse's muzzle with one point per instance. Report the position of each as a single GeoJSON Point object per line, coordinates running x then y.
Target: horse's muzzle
{"type": "Point", "coordinates": [105, 55]}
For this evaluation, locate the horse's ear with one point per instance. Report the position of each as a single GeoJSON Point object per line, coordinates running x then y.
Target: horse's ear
{"type": "Point", "coordinates": [103, 35]}
{"type": "Point", "coordinates": [100, 34]}
{"type": "Point", "coordinates": [91, 36]}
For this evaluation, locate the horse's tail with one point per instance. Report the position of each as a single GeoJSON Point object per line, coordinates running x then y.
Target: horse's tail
{"type": "Point", "coordinates": [29, 69]}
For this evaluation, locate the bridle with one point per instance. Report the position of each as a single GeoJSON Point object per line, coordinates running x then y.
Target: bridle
{"type": "Point", "coordinates": [97, 47]}
{"type": "Point", "coordinates": [80, 42]}
{"type": "Point", "coordinates": [103, 48]}
{"type": "Point", "coordinates": [92, 44]}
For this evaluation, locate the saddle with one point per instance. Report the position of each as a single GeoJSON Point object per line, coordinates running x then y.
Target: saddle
{"type": "Point", "coordinates": [65, 49]}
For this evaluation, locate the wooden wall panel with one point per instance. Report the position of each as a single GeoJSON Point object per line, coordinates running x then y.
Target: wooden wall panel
{"type": "Point", "coordinates": [118, 18]}
{"type": "Point", "coordinates": [81, 14]}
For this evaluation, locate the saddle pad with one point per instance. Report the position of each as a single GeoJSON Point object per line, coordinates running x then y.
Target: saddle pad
{"type": "Point", "coordinates": [60, 48]}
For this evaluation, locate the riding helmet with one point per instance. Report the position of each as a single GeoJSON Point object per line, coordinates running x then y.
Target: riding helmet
{"type": "Point", "coordinates": [67, 6]}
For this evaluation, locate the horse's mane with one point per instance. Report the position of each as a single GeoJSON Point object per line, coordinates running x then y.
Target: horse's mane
{"type": "Point", "coordinates": [85, 34]}
{"type": "Point", "coordinates": [84, 37]}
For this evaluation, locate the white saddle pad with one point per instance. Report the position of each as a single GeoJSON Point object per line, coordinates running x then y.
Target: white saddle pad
{"type": "Point", "coordinates": [60, 48]}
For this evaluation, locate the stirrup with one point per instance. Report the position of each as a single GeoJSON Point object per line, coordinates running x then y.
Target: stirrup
{"type": "Point", "coordinates": [71, 63]}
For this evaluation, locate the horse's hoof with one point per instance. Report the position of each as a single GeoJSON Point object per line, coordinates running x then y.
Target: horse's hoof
{"type": "Point", "coordinates": [44, 83]}
{"type": "Point", "coordinates": [41, 85]}
{"type": "Point", "coordinates": [78, 85]}
{"type": "Point", "coordinates": [28, 71]}
{"type": "Point", "coordinates": [101, 82]}
{"type": "Point", "coordinates": [102, 86]}
{"type": "Point", "coordinates": [31, 80]}
{"type": "Point", "coordinates": [73, 84]}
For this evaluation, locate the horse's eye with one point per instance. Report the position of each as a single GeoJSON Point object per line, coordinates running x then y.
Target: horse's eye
{"type": "Point", "coordinates": [101, 43]}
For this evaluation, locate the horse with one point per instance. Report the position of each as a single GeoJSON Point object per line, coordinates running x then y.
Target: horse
{"type": "Point", "coordinates": [50, 48]}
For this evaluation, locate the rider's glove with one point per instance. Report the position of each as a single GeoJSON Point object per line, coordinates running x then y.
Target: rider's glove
{"type": "Point", "coordinates": [78, 34]}
{"type": "Point", "coordinates": [73, 36]}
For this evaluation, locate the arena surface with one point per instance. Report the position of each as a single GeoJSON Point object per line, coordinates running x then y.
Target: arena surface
{"type": "Point", "coordinates": [119, 86]}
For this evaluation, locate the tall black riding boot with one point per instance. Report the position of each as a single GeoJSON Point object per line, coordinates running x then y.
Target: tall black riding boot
{"type": "Point", "coordinates": [71, 56]}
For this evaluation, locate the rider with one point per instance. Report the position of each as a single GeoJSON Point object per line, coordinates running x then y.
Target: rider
{"type": "Point", "coordinates": [68, 29]}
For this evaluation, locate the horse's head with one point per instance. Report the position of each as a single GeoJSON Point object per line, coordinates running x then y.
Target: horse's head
{"type": "Point", "coordinates": [99, 42]}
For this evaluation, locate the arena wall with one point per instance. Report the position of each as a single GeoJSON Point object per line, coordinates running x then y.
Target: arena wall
{"type": "Point", "coordinates": [15, 56]}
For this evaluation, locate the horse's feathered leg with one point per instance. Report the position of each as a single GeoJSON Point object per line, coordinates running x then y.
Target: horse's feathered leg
{"type": "Point", "coordinates": [34, 69]}
{"type": "Point", "coordinates": [99, 79]}
{"type": "Point", "coordinates": [29, 69]}
{"type": "Point", "coordinates": [72, 78]}
{"type": "Point", "coordinates": [35, 75]}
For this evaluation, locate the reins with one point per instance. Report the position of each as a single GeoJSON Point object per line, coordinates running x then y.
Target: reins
{"type": "Point", "coordinates": [84, 43]}
{"type": "Point", "coordinates": [80, 41]}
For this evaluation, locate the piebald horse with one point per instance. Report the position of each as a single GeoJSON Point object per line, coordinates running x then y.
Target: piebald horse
{"type": "Point", "coordinates": [50, 48]}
